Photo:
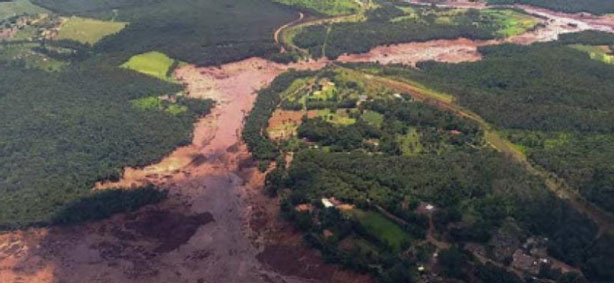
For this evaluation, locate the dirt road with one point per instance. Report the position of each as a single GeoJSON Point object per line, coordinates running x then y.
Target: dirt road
{"type": "Point", "coordinates": [215, 226]}
{"type": "Point", "coordinates": [558, 186]}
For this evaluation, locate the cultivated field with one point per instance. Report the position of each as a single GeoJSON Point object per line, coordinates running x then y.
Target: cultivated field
{"type": "Point", "coordinates": [88, 31]}
{"type": "Point", "coordinates": [382, 228]}
{"type": "Point", "coordinates": [153, 63]}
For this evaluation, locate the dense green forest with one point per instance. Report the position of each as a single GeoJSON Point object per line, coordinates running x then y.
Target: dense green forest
{"type": "Point", "coordinates": [69, 129]}
{"type": "Point", "coordinates": [544, 88]}
{"type": "Point", "coordinates": [476, 191]}
{"type": "Point", "coordinates": [203, 32]}
{"type": "Point", "coordinates": [105, 203]}
{"type": "Point", "coordinates": [392, 24]}
{"type": "Point", "coordinates": [569, 6]}
{"type": "Point", "coordinates": [83, 118]}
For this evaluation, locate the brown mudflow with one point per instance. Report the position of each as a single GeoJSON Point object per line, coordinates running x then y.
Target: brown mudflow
{"type": "Point", "coordinates": [216, 226]}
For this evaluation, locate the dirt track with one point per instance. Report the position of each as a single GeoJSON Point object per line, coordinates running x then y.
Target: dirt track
{"type": "Point", "coordinates": [215, 226]}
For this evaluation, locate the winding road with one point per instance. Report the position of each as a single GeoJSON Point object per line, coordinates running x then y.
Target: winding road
{"type": "Point", "coordinates": [203, 231]}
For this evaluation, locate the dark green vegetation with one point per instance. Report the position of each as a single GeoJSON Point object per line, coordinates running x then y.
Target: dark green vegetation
{"type": "Point", "coordinates": [391, 24]}
{"type": "Point", "coordinates": [69, 129]}
{"type": "Point", "coordinates": [105, 203]}
{"type": "Point", "coordinates": [559, 101]}
{"type": "Point", "coordinates": [260, 147]}
{"type": "Point", "coordinates": [570, 6]}
{"type": "Point", "coordinates": [477, 193]}
{"type": "Point", "coordinates": [203, 32]}
{"type": "Point", "coordinates": [89, 118]}
{"type": "Point", "coordinates": [326, 7]}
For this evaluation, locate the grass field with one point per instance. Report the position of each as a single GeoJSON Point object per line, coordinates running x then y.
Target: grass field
{"type": "Point", "coordinates": [381, 228]}
{"type": "Point", "coordinates": [512, 22]}
{"type": "Point", "coordinates": [327, 7]}
{"type": "Point", "coordinates": [32, 60]}
{"type": "Point", "coordinates": [373, 118]}
{"type": "Point", "coordinates": [88, 31]}
{"type": "Point", "coordinates": [410, 143]}
{"type": "Point", "coordinates": [338, 118]}
{"type": "Point", "coordinates": [153, 63]}
{"type": "Point", "coordinates": [18, 8]}
{"type": "Point", "coordinates": [599, 53]}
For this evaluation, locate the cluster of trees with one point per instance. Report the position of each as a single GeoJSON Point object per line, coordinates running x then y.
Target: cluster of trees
{"type": "Point", "coordinates": [584, 161]}
{"type": "Point", "coordinates": [202, 32]}
{"type": "Point", "coordinates": [470, 182]}
{"type": "Point", "coordinates": [379, 29]}
{"type": "Point", "coordinates": [548, 87]}
{"type": "Point", "coordinates": [268, 99]}
{"type": "Point", "coordinates": [484, 183]}
{"type": "Point", "coordinates": [433, 126]}
{"type": "Point", "coordinates": [69, 129]}
{"type": "Point", "coordinates": [569, 6]}
{"type": "Point", "coordinates": [559, 104]}
{"type": "Point", "coordinates": [588, 37]}
{"type": "Point", "coordinates": [105, 203]}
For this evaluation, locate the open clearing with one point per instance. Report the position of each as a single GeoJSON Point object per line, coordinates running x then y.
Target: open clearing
{"type": "Point", "coordinates": [96, 251]}
{"type": "Point", "coordinates": [600, 53]}
{"type": "Point", "coordinates": [32, 59]}
{"type": "Point", "coordinates": [381, 228]}
{"type": "Point", "coordinates": [512, 22]}
{"type": "Point", "coordinates": [327, 7]}
{"type": "Point", "coordinates": [88, 31]}
{"type": "Point", "coordinates": [18, 8]}
{"type": "Point", "coordinates": [153, 63]}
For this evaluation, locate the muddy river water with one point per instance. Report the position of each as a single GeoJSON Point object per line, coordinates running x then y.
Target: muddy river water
{"type": "Point", "coordinates": [216, 226]}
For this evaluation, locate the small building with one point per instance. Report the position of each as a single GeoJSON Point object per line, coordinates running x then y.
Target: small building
{"type": "Point", "coordinates": [327, 203]}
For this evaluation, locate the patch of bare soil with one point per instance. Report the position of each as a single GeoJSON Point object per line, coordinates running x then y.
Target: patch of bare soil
{"type": "Point", "coordinates": [216, 225]}
{"type": "Point", "coordinates": [283, 123]}
{"type": "Point", "coordinates": [282, 247]}
{"type": "Point", "coordinates": [451, 51]}
{"type": "Point", "coordinates": [169, 229]}
{"type": "Point", "coordinates": [199, 234]}
{"type": "Point", "coordinates": [7, 33]}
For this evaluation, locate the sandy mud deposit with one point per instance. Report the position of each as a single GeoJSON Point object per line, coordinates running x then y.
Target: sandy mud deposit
{"type": "Point", "coordinates": [216, 225]}
{"type": "Point", "coordinates": [466, 50]}
{"type": "Point", "coordinates": [201, 232]}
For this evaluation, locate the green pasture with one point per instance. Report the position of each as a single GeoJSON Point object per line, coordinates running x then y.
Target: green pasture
{"type": "Point", "coordinates": [373, 118]}
{"type": "Point", "coordinates": [381, 228]}
{"type": "Point", "coordinates": [600, 53]}
{"type": "Point", "coordinates": [511, 22]}
{"type": "Point", "coordinates": [340, 117]}
{"type": "Point", "coordinates": [155, 64]}
{"type": "Point", "coordinates": [88, 31]}
{"type": "Point", "coordinates": [153, 102]}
